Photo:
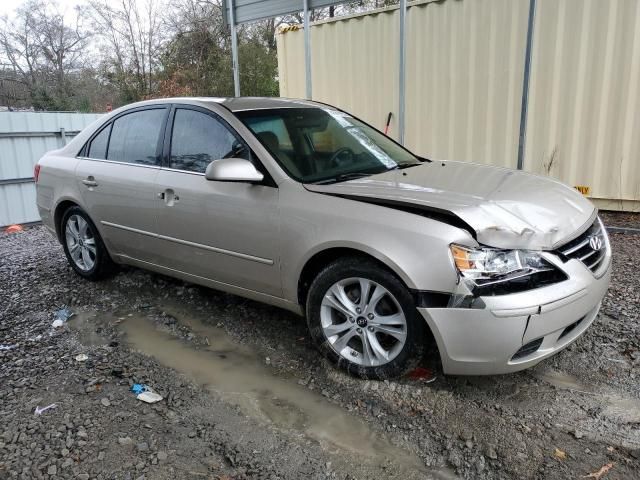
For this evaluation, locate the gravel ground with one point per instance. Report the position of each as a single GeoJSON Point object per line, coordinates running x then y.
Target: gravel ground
{"type": "Point", "coordinates": [621, 219]}
{"type": "Point", "coordinates": [246, 395]}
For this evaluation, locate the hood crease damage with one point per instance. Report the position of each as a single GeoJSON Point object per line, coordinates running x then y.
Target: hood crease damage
{"type": "Point", "coordinates": [499, 207]}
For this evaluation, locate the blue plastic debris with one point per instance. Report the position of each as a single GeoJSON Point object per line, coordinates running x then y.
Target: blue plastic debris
{"type": "Point", "coordinates": [138, 388]}
{"type": "Point", "coordinates": [63, 314]}
{"type": "Point", "coordinates": [145, 393]}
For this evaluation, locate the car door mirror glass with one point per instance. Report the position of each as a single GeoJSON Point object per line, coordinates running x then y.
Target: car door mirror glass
{"type": "Point", "coordinates": [233, 170]}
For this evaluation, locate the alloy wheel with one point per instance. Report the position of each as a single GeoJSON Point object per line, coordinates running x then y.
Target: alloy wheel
{"type": "Point", "coordinates": [363, 322]}
{"type": "Point", "coordinates": [81, 243]}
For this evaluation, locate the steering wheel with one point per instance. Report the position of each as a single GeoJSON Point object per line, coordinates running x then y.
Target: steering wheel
{"type": "Point", "coordinates": [335, 160]}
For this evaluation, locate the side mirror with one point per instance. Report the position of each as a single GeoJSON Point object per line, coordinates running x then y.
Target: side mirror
{"type": "Point", "coordinates": [233, 170]}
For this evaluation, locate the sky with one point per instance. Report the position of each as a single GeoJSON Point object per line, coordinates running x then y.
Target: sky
{"type": "Point", "coordinates": [8, 6]}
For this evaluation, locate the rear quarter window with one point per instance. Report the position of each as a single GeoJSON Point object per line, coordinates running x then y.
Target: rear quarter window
{"type": "Point", "coordinates": [98, 146]}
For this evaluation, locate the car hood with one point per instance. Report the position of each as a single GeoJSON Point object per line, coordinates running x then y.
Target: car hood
{"type": "Point", "coordinates": [506, 208]}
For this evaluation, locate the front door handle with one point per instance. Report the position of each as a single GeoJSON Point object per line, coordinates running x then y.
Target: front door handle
{"type": "Point", "coordinates": [169, 197]}
{"type": "Point", "coordinates": [90, 181]}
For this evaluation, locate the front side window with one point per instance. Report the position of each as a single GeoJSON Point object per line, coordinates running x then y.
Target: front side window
{"type": "Point", "coordinates": [198, 139]}
{"type": "Point", "coordinates": [135, 136]}
{"type": "Point", "coordinates": [98, 146]}
{"type": "Point", "coordinates": [323, 145]}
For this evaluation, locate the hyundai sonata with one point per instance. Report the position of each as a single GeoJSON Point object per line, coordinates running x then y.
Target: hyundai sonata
{"type": "Point", "coordinates": [303, 206]}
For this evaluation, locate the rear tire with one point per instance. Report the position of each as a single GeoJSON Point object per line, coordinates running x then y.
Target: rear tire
{"type": "Point", "coordinates": [84, 247]}
{"type": "Point", "coordinates": [364, 320]}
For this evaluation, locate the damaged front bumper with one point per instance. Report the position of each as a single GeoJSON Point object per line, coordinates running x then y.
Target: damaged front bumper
{"type": "Point", "coordinates": [507, 333]}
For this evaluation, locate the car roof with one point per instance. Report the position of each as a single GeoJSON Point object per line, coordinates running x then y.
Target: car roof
{"type": "Point", "coordinates": [237, 104]}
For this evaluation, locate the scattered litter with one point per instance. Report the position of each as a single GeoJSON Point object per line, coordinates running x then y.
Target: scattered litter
{"type": "Point", "coordinates": [559, 454]}
{"type": "Point", "coordinates": [145, 393]}
{"type": "Point", "coordinates": [64, 314]}
{"type": "Point", "coordinates": [14, 229]}
{"type": "Point", "coordinates": [40, 411]}
{"type": "Point", "coordinates": [597, 475]}
{"type": "Point", "coordinates": [138, 388]}
{"type": "Point", "coordinates": [425, 374]}
{"type": "Point", "coordinates": [616, 360]}
{"type": "Point", "coordinates": [149, 397]}
{"type": "Point", "coordinates": [81, 357]}
{"type": "Point", "coordinates": [61, 316]}
{"type": "Point", "coordinates": [105, 402]}
{"type": "Point", "coordinates": [7, 347]}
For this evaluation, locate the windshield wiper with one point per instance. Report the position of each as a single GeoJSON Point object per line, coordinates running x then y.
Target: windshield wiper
{"type": "Point", "coordinates": [403, 166]}
{"type": "Point", "coordinates": [343, 177]}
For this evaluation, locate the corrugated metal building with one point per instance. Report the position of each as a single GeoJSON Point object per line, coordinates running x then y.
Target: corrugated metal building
{"type": "Point", "coordinates": [24, 138]}
{"type": "Point", "coordinates": [465, 70]}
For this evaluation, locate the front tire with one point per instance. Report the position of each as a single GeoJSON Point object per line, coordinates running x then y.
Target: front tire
{"type": "Point", "coordinates": [363, 319]}
{"type": "Point", "coordinates": [84, 247]}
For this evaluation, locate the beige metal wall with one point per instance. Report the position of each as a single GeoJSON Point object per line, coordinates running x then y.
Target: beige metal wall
{"type": "Point", "coordinates": [465, 63]}
{"type": "Point", "coordinates": [585, 96]}
{"type": "Point", "coordinates": [354, 64]}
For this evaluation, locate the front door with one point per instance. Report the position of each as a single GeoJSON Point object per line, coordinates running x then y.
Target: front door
{"type": "Point", "coordinates": [117, 179]}
{"type": "Point", "coordinates": [222, 231]}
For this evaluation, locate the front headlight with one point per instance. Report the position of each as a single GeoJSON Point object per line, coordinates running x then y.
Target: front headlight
{"type": "Point", "coordinates": [486, 266]}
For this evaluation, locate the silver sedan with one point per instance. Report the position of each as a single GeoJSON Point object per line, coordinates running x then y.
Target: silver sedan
{"type": "Point", "coordinates": [306, 207]}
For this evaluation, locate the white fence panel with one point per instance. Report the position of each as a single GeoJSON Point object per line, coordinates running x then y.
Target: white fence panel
{"type": "Point", "coordinates": [24, 138]}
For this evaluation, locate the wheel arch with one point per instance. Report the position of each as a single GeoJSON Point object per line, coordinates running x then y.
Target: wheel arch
{"type": "Point", "coordinates": [62, 206]}
{"type": "Point", "coordinates": [326, 254]}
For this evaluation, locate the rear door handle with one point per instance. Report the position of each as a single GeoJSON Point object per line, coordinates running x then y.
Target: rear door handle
{"type": "Point", "coordinates": [90, 181]}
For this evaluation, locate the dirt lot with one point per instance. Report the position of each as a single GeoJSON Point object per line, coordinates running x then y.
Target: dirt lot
{"type": "Point", "coordinates": [247, 396]}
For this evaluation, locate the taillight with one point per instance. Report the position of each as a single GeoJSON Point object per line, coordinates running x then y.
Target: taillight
{"type": "Point", "coordinates": [36, 172]}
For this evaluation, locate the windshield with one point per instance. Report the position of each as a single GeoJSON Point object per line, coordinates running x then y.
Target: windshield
{"type": "Point", "coordinates": [322, 145]}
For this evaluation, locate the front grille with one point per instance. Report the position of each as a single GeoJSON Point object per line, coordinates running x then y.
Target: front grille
{"type": "Point", "coordinates": [582, 247]}
{"type": "Point", "coordinates": [528, 349]}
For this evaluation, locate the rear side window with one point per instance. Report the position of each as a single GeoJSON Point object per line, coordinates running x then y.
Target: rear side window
{"type": "Point", "coordinates": [98, 146]}
{"type": "Point", "coordinates": [198, 139]}
{"type": "Point", "coordinates": [134, 137]}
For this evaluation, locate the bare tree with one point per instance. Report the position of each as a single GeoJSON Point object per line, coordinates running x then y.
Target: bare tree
{"type": "Point", "coordinates": [133, 37]}
{"type": "Point", "coordinates": [40, 50]}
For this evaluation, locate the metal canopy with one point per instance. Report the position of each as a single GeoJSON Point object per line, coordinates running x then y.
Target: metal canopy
{"type": "Point", "coordinates": [243, 11]}
{"type": "Point", "coordinates": [252, 10]}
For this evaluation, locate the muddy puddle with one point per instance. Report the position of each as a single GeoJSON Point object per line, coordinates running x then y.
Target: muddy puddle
{"type": "Point", "coordinates": [88, 328]}
{"type": "Point", "coordinates": [239, 375]}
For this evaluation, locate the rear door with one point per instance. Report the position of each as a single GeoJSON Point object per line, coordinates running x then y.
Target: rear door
{"type": "Point", "coordinates": [117, 178]}
{"type": "Point", "coordinates": [223, 231]}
